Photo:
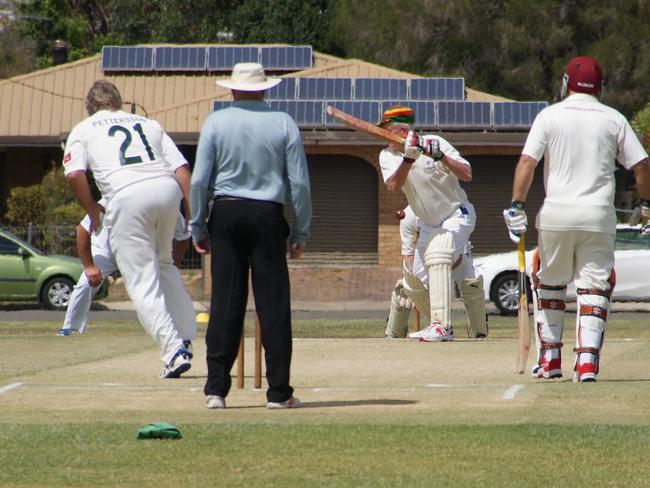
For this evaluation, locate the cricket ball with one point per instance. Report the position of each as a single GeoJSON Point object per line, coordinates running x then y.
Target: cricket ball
{"type": "Point", "coordinates": [399, 214]}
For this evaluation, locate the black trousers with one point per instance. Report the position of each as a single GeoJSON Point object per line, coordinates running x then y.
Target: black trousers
{"type": "Point", "coordinates": [249, 234]}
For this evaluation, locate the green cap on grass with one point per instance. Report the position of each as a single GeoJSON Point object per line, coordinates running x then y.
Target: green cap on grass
{"type": "Point", "coordinates": [159, 430]}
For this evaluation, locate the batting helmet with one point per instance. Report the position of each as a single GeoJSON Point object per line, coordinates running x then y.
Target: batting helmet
{"type": "Point", "coordinates": [583, 75]}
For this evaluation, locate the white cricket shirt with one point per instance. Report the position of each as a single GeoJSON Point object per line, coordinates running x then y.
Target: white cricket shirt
{"type": "Point", "coordinates": [432, 190]}
{"type": "Point", "coordinates": [120, 149]}
{"type": "Point", "coordinates": [580, 139]}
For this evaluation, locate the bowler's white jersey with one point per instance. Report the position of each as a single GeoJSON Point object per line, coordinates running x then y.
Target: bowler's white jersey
{"type": "Point", "coordinates": [120, 149]}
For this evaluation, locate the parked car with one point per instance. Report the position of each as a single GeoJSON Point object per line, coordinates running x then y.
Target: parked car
{"type": "Point", "coordinates": [632, 265]}
{"type": "Point", "coordinates": [27, 273]}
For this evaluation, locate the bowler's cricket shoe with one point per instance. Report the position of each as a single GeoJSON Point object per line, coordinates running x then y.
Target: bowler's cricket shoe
{"type": "Point", "coordinates": [179, 364]}
{"type": "Point", "coordinates": [437, 333]}
{"type": "Point", "coordinates": [63, 332]}
{"type": "Point", "coordinates": [187, 344]}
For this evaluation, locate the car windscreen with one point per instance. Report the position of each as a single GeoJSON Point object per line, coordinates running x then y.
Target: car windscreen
{"type": "Point", "coordinates": [9, 244]}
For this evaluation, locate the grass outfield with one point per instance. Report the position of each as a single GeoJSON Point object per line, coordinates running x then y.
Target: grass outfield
{"type": "Point", "coordinates": [376, 413]}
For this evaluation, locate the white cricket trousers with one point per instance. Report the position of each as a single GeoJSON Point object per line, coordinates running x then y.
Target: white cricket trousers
{"type": "Point", "coordinates": [76, 316]}
{"type": "Point", "coordinates": [584, 257]}
{"type": "Point", "coordinates": [460, 224]}
{"type": "Point", "coordinates": [141, 219]}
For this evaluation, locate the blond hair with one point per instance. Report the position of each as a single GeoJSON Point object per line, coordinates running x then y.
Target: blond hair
{"type": "Point", "coordinates": [103, 95]}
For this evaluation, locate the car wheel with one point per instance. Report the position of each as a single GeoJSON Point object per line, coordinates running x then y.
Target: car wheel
{"type": "Point", "coordinates": [56, 292]}
{"type": "Point", "coordinates": [505, 293]}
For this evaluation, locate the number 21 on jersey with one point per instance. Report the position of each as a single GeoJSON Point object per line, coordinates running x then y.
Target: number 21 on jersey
{"type": "Point", "coordinates": [128, 139]}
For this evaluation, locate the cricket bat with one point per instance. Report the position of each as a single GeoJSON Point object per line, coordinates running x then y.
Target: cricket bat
{"type": "Point", "coordinates": [363, 126]}
{"type": "Point", "coordinates": [523, 327]}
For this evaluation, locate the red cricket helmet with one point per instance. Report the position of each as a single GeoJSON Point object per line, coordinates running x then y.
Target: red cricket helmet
{"type": "Point", "coordinates": [583, 75]}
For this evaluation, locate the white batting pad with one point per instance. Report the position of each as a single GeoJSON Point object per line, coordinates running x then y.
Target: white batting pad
{"type": "Point", "coordinates": [398, 317]}
{"type": "Point", "coordinates": [438, 259]}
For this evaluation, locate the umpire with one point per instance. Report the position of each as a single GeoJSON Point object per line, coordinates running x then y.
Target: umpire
{"type": "Point", "coordinates": [249, 158]}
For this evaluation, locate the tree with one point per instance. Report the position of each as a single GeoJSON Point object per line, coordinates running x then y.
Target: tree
{"type": "Point", "coordinates": [179, 21]}
{"type": "Point", "coordinates": [641, 125]}
{"type": "Point", "coordinates": [82, 24]}
{"type": "Point", "coordinates": [514, 48]}
{"type": "Point", "coordinates": [286, 21]}
{"type": "Point", "coordinates": [17, 53]}
{"type": "Point", "coordinates": [49, 203]}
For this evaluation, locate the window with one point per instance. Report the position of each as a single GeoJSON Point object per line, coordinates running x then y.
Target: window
{"type": "Point", "coordinates": [7, 246]}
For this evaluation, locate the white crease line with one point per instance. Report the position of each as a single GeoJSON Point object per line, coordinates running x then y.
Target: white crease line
{"type": "Point", "coordinates": [511, 392]}
{"type": "Point", "coordinates": [437, 385]}
{"type": "Point", "coordinates": [7, 388]}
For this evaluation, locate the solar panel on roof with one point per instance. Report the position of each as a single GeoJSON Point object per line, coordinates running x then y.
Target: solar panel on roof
{"type": "Point", "coordinates": [424, 112]}
{"type": "Point", "coordinates": [379, 89]}
{"type": "Point", "coordinates": [223, 58]}
{"type": "Point", "coordinates": [437, 89]}
{"type": "Point", "coordinates": [186, 58]}
{"type": "Point", "coordinates": [285, 90]}
{"type": "Point", "coordinates": [365, 110]}
{"type": "Point", "coordinates": [324, 88]}
{"type": "Point", "coordinates": [121, 58]}
{"type": "Point", "coordinates": [516, 114]}
{"type": "Point", "coordinates": [463, 114]}
{"type": "Point", "coordinates": [306, 113]}
{"type": "Point", "coordinates": [286, 57]}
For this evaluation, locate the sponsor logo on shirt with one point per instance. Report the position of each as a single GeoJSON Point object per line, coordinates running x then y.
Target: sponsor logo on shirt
{"type": "Point", "coordinates": [67, 158]}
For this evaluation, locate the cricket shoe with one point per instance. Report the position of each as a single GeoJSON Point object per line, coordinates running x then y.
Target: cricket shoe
{"type": "Point", "coordinates": [215, 401]}
{"type": "Point", "coordinates": [63, 332]}
{"type": "Point", "coordinates": [187, 345]}
{"type": "Point", "coordinates": [548, 369]}
{"type": "Point", "coordinates": [292, 402]}
{"type": "Point", "coordinates": [587, 371]}
{"type": "Point", "coordinates": [433, 333]}
{"type": "Point", "coordinates": [179, 364]}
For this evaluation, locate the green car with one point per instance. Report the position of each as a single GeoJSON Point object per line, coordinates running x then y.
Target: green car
{"type": "Point", "coordinates": [26, 273]}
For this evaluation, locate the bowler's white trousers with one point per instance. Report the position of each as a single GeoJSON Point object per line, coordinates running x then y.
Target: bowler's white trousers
{"type": "Point", "coordinates": [141, 219]}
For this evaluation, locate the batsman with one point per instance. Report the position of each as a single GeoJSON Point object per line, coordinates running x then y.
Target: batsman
{"type": "Point", "coordinates": [580, 139]}
{"type": "Point", "coordinates": [428, 169]}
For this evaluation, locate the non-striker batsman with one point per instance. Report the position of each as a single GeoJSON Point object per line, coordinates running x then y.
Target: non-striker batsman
{"type": "Point", "coordinates": [580, 139]}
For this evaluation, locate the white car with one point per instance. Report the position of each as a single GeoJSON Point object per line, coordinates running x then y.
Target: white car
{"type": "Point", "coordinates": [632, 268]}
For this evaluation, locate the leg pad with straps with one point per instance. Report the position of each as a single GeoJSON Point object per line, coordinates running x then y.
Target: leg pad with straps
{"type": "Point", "coordinates": [438, 258]}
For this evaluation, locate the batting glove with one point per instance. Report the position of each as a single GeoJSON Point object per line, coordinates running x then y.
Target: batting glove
{"type": "Point", "coordinates": [433, 150]}
{"type": "Point", "coordinates": [412, 146]}
{"type": "Point", "coordinates": [402, 300]}
{"type": "Point", "coordinates": [516, 220]}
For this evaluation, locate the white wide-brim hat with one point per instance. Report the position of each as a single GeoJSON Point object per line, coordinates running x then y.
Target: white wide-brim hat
{"type": "Point", "coordinates": [249, 77]}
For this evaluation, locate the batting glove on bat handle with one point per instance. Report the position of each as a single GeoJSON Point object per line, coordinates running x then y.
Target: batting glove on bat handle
{"type": "Point", "coordinates": [412, 146]}
{"type": "Point", "coordinates": [516, 220]}
{"type": "Point", "coordinates": [433, 149]}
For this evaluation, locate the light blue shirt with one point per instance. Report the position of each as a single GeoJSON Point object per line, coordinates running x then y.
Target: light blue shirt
{"type": "Point", "coordinates": [250, 151]}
